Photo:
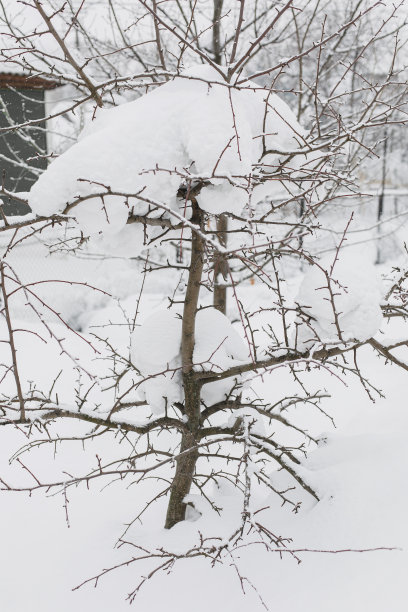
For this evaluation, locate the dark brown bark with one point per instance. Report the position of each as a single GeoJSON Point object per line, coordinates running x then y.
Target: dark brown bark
{"type": "Point", "coordinates": [183, 478]}
{"type": "Point", "coordinates": [185, 465]}
{"type": "Point", "coordinates": [216, 30]}
{"type": "Point", "coordinates": [192, 294]}
{"type": "Point", "coordinates": [220, 265]}
{"type": "Point", "coordinates": [11, 343]}
{"type": "Point", "coordinates": [221, 268]}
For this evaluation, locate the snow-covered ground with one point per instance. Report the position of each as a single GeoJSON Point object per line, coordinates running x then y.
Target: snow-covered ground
{"type": "Point", "coordinates": [360, 472]}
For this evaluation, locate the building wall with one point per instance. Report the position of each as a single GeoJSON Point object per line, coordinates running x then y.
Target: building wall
{"type": "Point", "coordinates": [18, 148]}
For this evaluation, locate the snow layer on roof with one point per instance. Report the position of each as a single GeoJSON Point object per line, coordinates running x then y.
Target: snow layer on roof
{"type": "Point", "coordinates": [192, 124]}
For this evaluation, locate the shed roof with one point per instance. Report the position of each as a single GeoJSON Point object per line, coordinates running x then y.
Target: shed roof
{"type": "Point", "coordinates": [23, 81]}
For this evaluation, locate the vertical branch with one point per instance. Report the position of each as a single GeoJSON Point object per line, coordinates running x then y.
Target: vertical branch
{"type": "Point", "coordinates": [299, 43]}
{"type": "Point", "coordinates": [316, 84]}
{"type": "Point", "coordinates": [192, 294]}
{"type": "Point", "coordinates": [281, 301]}
{"type": "Point", "coordinates": [380, 210]}
{"type": "Point", "coordinates": [158, 39]}
{"type": "Point", "coordinates": [11, 342]}
{"type": "Point", "coordinates": [216, 30]}
{"type": "Point", "coordinates": [221, 267]}
{"type": "Point", "coordinates": [249, 52]}
{"type": "Point", "coordinates": [237, 31]}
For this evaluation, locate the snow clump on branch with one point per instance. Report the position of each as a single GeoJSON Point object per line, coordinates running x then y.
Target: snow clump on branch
{"type": "Point", "coordinates": [194, 127]}
{"type": "Point", "coordinates": [156, 347]}
{"type": "Point", "coordinates": [343, 297]}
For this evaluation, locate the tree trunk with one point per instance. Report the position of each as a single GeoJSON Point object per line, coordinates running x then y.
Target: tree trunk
{"type": "Point", "coordinates": [220, 264]}
{"type": "Point", "coordinates": [216, 31]}
{"type": "Point", "coordinates": [221, 268]}
{"type": "Point", "coordinates": [380, 209]}
{"type": "Point", "coordinates": [183, 478]}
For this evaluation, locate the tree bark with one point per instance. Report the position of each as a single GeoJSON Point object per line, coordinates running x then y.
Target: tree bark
{"type": "Point", "coordinates": [221, 268]}
{"type": "Point", "coordinates": [216, 31]}
{"type": "Point", "coordinates": [183, 478]}
{"type": "Point", "coordinates": [184, 475]}
{"type": "Point", "coordinates": [380, 209]}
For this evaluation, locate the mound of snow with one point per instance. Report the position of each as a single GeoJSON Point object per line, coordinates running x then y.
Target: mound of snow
{"type": "Point", "coordinates": [157, 342]}
{"type": "Point", "coordinates": [108, 215]}
{"type": "Point", "coordinates": [142, 147]}
{"type": "Point", "coordinates": [156, 347]}
{"type": "Point", "coordinates": [356, 290]}
{"type": "Point", "coordinates": [218, 345]}
{"type": "Point", "coordinates": [155, 353]}
{"type": "Point", "coordinates": [128, 242]}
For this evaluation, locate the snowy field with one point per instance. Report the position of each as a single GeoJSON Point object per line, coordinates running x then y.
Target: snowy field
{"type": "Point", "coordinates": [359, 470]}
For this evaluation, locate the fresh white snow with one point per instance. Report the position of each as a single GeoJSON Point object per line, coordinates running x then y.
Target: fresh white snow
{"type": "Point", "coordinates": [192, 126]}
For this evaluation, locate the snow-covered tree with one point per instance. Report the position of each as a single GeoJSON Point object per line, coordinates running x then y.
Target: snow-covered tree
{"type": "Point", "coordinates": [212, 183]}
